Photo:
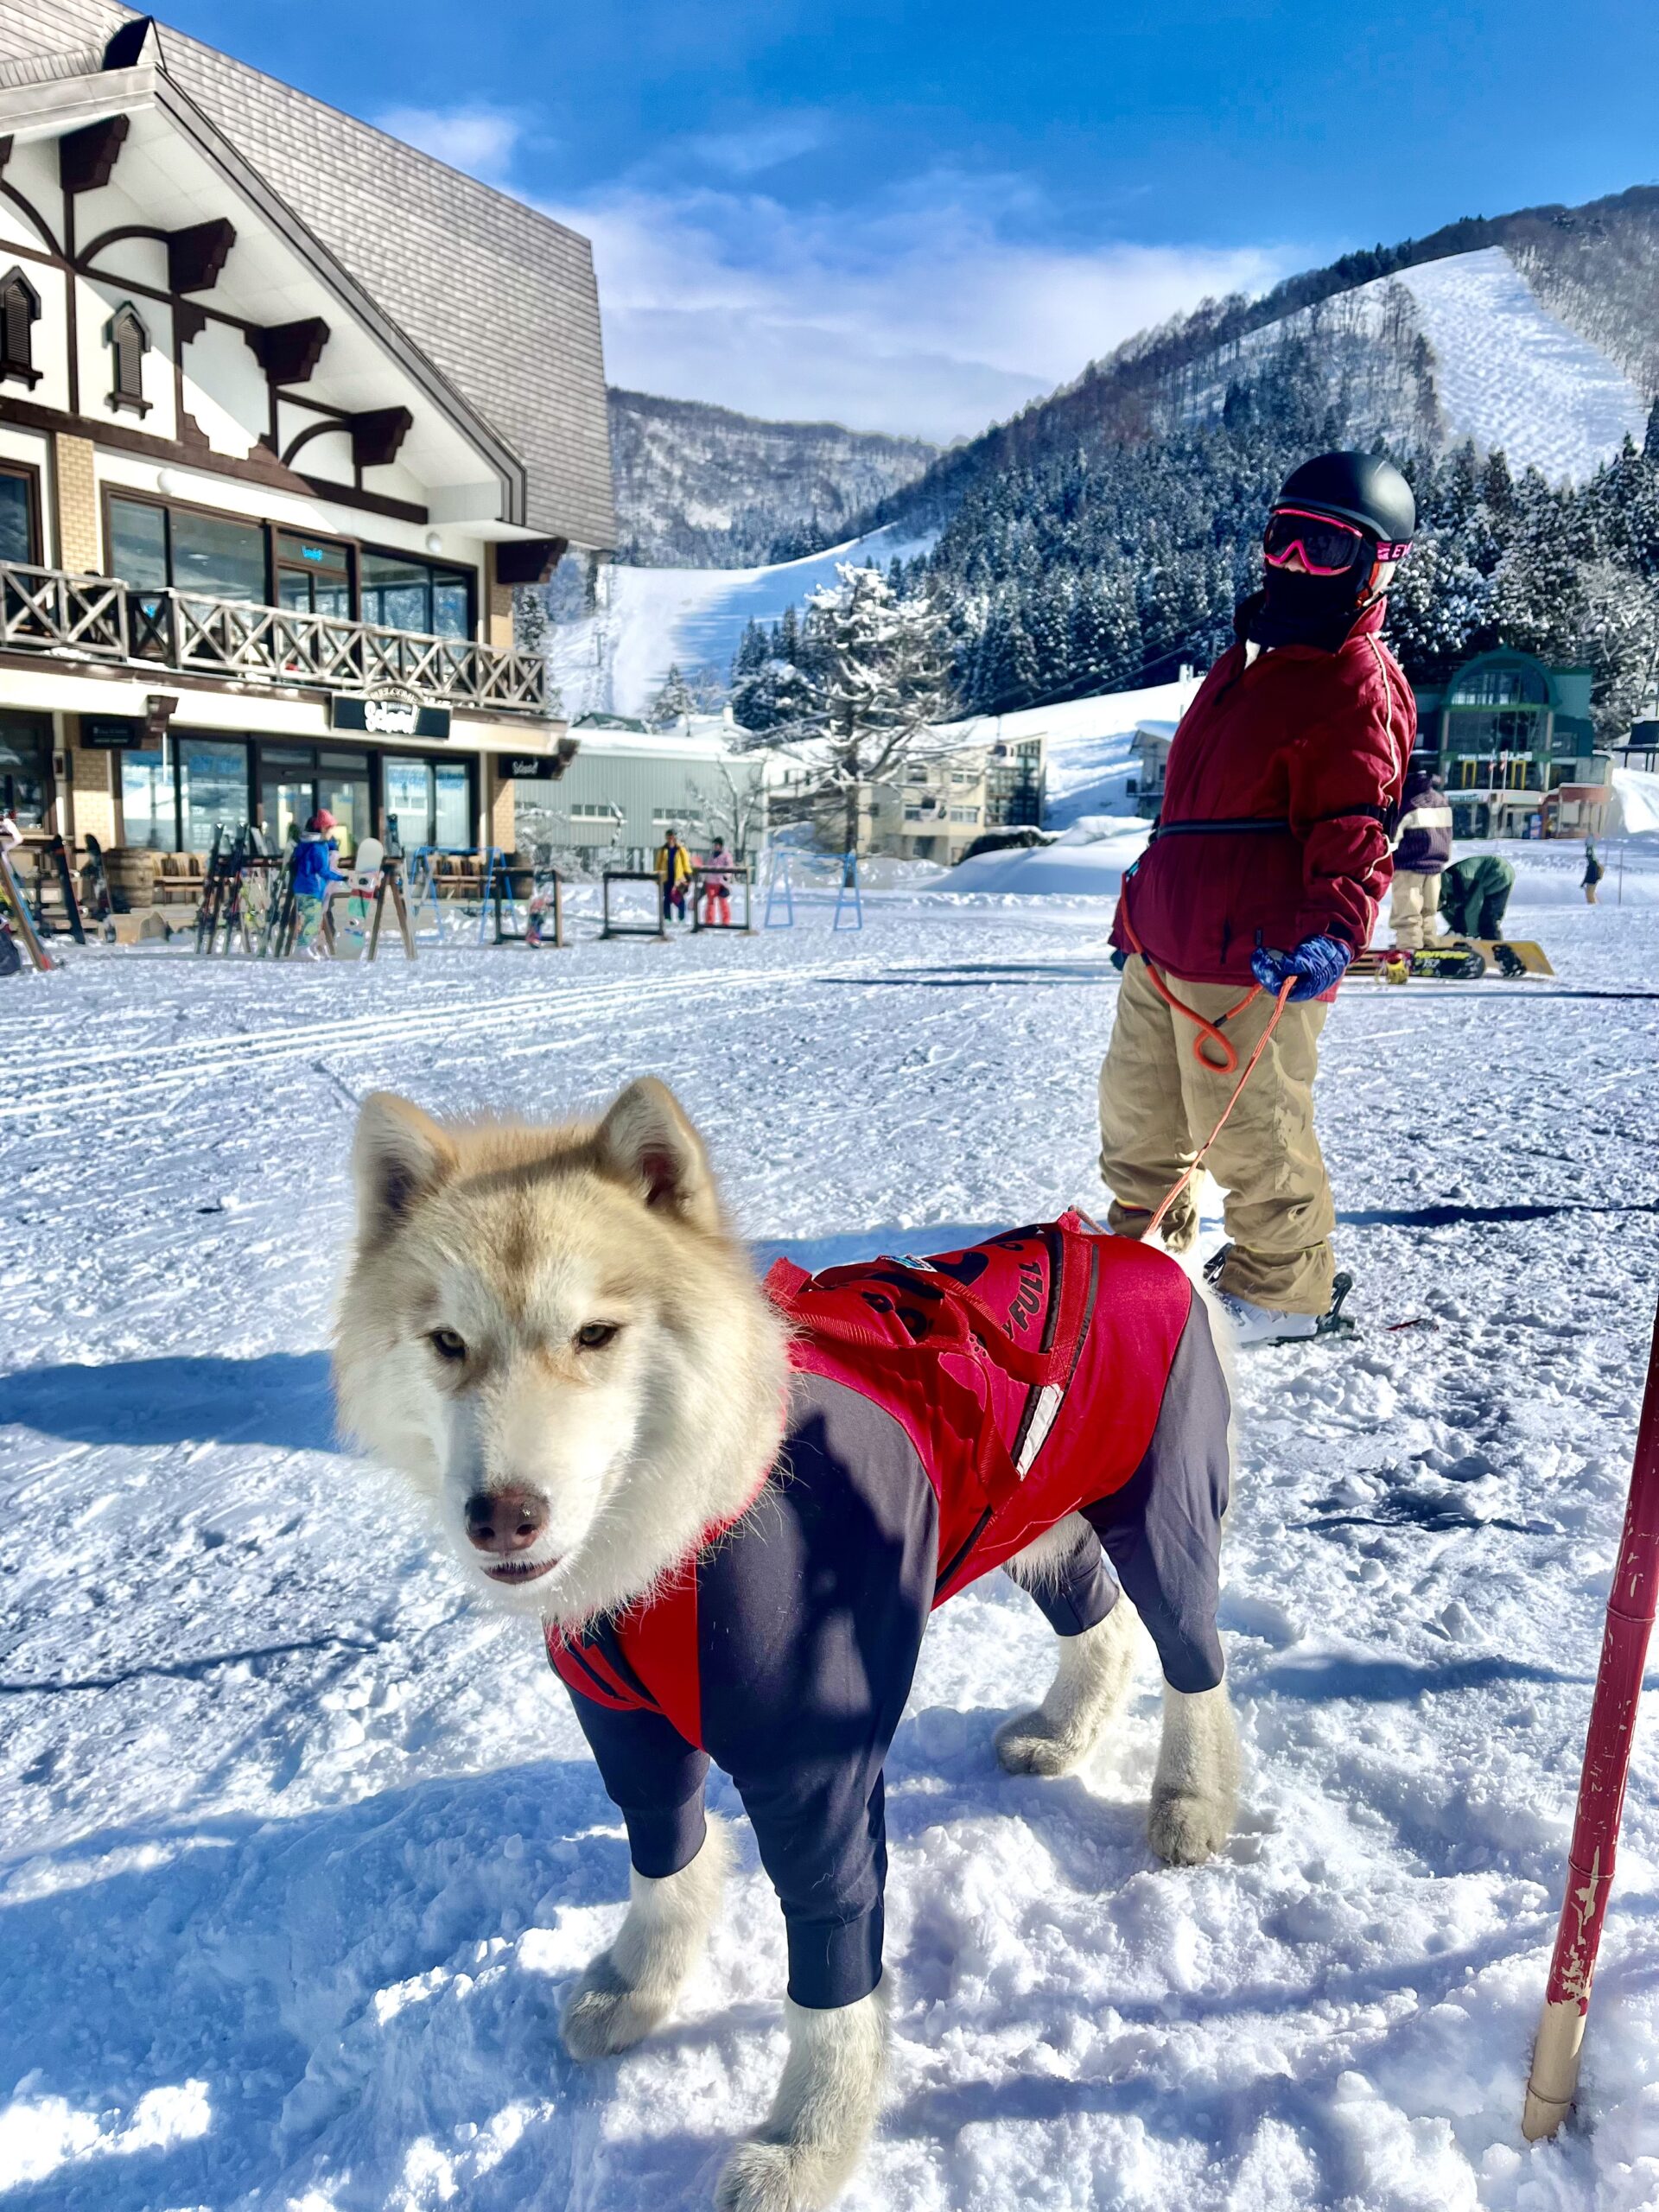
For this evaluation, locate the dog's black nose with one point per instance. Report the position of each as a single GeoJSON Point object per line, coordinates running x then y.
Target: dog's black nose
{"type": "Point", "coordinates": [505, 1521]}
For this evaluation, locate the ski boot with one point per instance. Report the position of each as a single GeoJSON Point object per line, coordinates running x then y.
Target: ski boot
{"type": "Point", "coordinates": [1263, 1324]}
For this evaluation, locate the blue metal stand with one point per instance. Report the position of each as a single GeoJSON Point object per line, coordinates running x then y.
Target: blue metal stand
{"type": "Point", "coordinates": [779, 879]}
{"type": "Point", "coordinates": [849, 882]}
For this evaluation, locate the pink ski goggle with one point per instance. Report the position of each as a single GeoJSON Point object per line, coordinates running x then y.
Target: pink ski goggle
{"type": "Point", "coordinates": [1328, 547]}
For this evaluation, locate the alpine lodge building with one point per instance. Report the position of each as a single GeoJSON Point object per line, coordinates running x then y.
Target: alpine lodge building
{"type": "Point", "coordinates": [288, 411]}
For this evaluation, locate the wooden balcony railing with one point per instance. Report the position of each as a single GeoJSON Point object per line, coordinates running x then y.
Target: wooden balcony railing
{"type": "Point", "coordinates": [101, 618]}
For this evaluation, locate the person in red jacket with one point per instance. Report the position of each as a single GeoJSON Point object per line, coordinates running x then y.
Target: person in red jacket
{"type": "Point", "coordinates": [1265, 864]}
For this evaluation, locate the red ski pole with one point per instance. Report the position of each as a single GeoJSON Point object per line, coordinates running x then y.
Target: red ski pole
{"type": "Point", "coordinates": [1601, 1786]}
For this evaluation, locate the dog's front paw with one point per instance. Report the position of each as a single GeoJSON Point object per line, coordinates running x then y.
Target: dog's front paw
{"type": "Point", "coordinates": [1185, 1828]}
{"type": "Point", "coordinates": [761, 2177]}
{"type": "Point", "coordinates": [1030, 1744]}
{"type": "Point", "coordinates": [606, 2014]}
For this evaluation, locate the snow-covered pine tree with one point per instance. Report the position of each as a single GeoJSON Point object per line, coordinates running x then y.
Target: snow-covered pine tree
{"type": "Point", "coordinates": [878, 681]}
{"type": "Point", "coordinates": [675, 703]}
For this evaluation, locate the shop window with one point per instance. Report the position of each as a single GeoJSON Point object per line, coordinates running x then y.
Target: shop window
{"type": "Point", "coordinates": [128, 342]}
{"type": "Point", "coordinates": [402, 593]}
{"type": "Point", "coordinates": [213, 556]}
{"type": "Point", "coordinates": [25, 759]}
{"type": "Point", "coordinates": [453, 808]}
{"type": "Point", "coordinates": [212, 789]}
{"type": "Point", "coordinates": [216, 557]}
{"type": "Point", "coordinates": [19, 510]}
{"type": "Point", "coordinates": [20, 311]}
{"type": "Point", "coordinates": [137, 534]}
{"type": "Point", "coordinates": [430, 802]}
{"type": "Point", "coordinates": [146, 809]}
{"type": "Point", "coordinates": [409, 803]}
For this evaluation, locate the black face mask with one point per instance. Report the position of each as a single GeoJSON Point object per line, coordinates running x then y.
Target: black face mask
{"type": "Point", "coordinates": [1295, 609]}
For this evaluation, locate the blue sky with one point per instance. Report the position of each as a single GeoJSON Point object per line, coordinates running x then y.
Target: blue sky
{"type": "Point", "coordinates": [912, 217]}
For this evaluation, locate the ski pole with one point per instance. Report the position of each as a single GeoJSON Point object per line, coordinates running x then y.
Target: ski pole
{"type": "Point", "coordinates": [1601, 1786]}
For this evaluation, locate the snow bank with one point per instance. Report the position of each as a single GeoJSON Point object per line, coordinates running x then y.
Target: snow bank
{"type": "Point", "coordinates": [1087, 861]}
{"type": "Point", "coordinates": [1086, 743]}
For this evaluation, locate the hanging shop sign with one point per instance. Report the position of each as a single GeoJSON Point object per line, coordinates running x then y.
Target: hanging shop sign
{"type": "Point", "coordinates": [110, 733]}
{"type": "Point", "coordinates": [388, 714]}
{"type": "Point", "coordinates": [533, 767]}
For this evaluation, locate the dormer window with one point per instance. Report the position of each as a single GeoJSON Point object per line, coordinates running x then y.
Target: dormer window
{"type": "Point", "coordinates": [20, 311]}
{"type": "Point", "coordinates": [129, 343]}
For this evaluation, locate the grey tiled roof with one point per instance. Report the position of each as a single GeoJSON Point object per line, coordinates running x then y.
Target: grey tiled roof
{"type": "Point", "coordinates": [500, 299]}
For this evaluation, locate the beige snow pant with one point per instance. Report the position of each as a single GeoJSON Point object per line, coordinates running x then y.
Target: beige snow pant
{"type": "Point", "coordinates": [1415, 910]}
{"type": "Point", "coordinates": [1157, 1105]}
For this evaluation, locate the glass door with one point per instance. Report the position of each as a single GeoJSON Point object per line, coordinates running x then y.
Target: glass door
{"type": "Point", "coordinates": [343, 788]}
{"type": "Point", "coordinates": [313, 574]}
{"type": "Point", "coordinates": [287, 790]}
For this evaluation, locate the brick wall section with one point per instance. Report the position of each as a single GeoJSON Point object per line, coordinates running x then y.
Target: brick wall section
{"type": "Point", "coordinates": [499, 809]}
{"type": "Point", "coordinates": [92, 777]}
{"type": "Point", "coordinates": [497, 609]}
{"type": "Point", "coordinates": [77, 534]}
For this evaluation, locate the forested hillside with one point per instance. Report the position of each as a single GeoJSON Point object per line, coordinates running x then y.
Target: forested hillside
{"type": "Point", "coordinates": [702, 487]}
{"type": "Point", "coordinates": [1105, 535]}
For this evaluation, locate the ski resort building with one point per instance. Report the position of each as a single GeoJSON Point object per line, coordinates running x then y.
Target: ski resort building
{"type": "Point", "coordinates": [1516, 745]}
{"type": "Point", "coordinates": [628, 785]}
{"type": "Point", "coordinates": [289, 412]}
{"type": "Point", "coordinates": [936, 806]}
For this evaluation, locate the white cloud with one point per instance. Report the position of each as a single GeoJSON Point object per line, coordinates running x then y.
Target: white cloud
{"type": "Point", "coordinates": [481, 140]}
{"type": "Point", "coordinates": [923, 316]}
{"type": "Point", "coordinates": [765, 146]}
{"type": "Point", "coordinates": [927, 308]}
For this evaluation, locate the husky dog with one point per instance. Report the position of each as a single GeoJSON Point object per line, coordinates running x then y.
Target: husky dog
{"type": "Point", "coordinates": [731, 1508]}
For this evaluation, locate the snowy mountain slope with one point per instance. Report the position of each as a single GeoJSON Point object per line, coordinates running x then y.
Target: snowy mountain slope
{"type": "Point", "coordinates": [702, 486]}
{"type": "Point", "coordinates": [301, 1849]}
{"type": "Point", "coordinates": [1501, 368]}
{"type": "Point", "coordinates": [613, 660]}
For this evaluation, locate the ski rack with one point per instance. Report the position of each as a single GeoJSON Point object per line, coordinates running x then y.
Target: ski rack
{"type": "Point", "coordinates": [657, 928]}
{"type": "Point", "coordinates": [391, 885]}
{"type": "Point", "coordinates": [779, 878]}
{"type": "Point", "coordinates": [532, 933]}
{"type": "Point", "coordinates": [21, 918]}
{"type": "Point", "coordinates": [498, 892]}
{"type": "Point", "coordinates": [746, 927]}
{"type": "Point", "coordinates": [423, 888]}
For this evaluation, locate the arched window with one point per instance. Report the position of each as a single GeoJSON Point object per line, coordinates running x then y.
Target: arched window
{"type": "Point", "coordinates": [129, 343]}
{"type": "Point", "coordinates": [20, 311]}
{"type": "Point", "coordinates": [1500, 686]}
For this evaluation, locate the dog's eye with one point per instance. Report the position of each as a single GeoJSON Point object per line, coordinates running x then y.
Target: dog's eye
{"type": "Point", "coordinates": [596, 1334]}
{"type": "Point", "coordinates": [447, 1344]}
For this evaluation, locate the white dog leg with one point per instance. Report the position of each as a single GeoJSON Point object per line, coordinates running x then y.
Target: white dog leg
{"type": "Point", "coordinates": [1195, 1790]}
{"type": "Point", "coordinates": [629, 1988]}
{"type": "Point", "coordinates": [822, 2116]}
{"type": "Point", "coordinates": [1089, 1684]}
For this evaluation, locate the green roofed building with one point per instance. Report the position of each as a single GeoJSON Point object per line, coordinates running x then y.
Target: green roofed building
{"type": "Point", "coordinates": [1514, 741]}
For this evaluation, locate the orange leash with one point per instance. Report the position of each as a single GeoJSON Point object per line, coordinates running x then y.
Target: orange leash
{"type": "Point", "coordinates": [1205, 1028]}
{"type": "Point", "coordinates": [1223, 1066]}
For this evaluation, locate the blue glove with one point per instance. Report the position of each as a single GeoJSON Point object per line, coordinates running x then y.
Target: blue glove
{"type": "Point", "coordinates": [1318, 964]}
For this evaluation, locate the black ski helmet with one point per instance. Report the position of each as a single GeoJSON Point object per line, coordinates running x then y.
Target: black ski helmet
{"type": "Point", "coordinates": [1356, 487]}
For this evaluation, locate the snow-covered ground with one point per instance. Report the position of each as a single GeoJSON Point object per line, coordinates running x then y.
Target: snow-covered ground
{"type": "Point", "coordinates": [301, 1845]}
{"type": "Point", "coordinates": [651, 620]}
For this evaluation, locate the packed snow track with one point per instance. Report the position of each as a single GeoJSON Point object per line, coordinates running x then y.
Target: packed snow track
{"type": "Point", "coordinates": [301, 1845]}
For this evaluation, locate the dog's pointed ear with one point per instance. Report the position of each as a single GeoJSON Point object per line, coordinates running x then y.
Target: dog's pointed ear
{"type": "Point", "coordinates": [646, 1141]}
{"type": "Point", "coordinates": [398, 1156]}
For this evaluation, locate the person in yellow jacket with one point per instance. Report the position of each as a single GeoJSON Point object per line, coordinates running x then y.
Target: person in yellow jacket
{"type": "Point", "coordinates": [674, 866]}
